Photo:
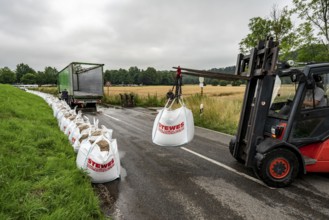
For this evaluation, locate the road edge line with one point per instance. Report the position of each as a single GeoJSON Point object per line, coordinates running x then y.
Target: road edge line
{"type": "Point", "coordinates": [227, 167]}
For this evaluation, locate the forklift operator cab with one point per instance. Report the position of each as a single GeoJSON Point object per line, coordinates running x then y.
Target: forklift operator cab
{"type": "Point", "coordinates": [296, 131]}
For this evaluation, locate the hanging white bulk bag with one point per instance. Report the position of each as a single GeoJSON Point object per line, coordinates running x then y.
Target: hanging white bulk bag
{"type": "Point", "coordinates": [173, 127]}
{"type": "Point", "coordinates": [100, 159]}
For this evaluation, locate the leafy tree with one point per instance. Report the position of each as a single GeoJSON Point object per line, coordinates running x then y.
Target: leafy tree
{"type": "Point", "coordinates": [128, 77]}
{"type": "Point", "coordinates": [122, 76]}
{"type": "Point", "coordinates": [282, 29]}
{"type": "Point", "coordinates": [165, 77]}
{"type": "Point", "coordinates": [21, 70]}
{"type": "Point", "coordinates": [7, 76]}
{"type": "Point", "coordinates": [190, 79]}
{"type": "Point", "coordinates": [50, 75]}
{"type": "Point", "coordinates": [149, 76]}
{"type": "Point", "coordinates": [40, 78]}
{"type": "Point", "coordinates": [279, 26]}
{"type": "Point", "coordinates": [134, 73]}
{"type": "Point", "coordinates": [260, 28]}
{"type": "Point", "coordinates": [29, 78]}
{"type": "Point", "coordinates": [110, 75]}
{"type": "Point", "coordinates": [312, 52]}
{"type": "Point", "coordinates": [315, 12]}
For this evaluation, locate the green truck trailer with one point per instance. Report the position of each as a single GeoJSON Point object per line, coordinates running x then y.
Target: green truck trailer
{"type": "Point", "coordinates": [83, 83]}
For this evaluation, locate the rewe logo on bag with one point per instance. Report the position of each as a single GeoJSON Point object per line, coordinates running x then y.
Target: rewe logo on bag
{"type": "Point", "coordinates": [100, 167]}
{"type": "Point", "coordinates": [171, 129]}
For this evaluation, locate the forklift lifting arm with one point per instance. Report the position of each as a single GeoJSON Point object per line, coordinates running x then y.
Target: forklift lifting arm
{"type": "Point", "coordinates": [261, 61]}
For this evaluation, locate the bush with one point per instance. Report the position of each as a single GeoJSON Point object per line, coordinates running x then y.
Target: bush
{"type": "Point", "coordinates": [223, 83]}
{"type": "Point", "coordinates": [236, 83]}
{"type": "Point", "coordinates": [215, 82]}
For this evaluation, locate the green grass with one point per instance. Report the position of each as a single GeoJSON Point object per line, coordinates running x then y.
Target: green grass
{"type": "Point", "coordinates": [148, 101]}
{"type": "Point", "coordinates": [50, 90]}
{"type": "Point", "coordinates": [38, 174]}
{"type": "Point", "coordinates": [218, 114]}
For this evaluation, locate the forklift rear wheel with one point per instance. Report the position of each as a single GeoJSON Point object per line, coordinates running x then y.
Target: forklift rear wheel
{"type": "Point", "coordinates": [279, 168]}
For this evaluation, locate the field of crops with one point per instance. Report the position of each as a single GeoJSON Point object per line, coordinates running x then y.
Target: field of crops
{"type": "Point", "coordinates": [235, 92]}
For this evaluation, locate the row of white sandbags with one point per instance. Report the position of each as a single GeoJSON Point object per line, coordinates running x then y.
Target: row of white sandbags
{"type": "Point", "coordinates": [97, 152]}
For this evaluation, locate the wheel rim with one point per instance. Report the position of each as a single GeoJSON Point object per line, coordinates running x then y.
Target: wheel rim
{"type": "Point", "coordinates": [279, 168]}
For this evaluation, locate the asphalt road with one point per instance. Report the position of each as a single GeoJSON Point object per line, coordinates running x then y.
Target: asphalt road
{"type": "Point", "coordinates": [197, 181]}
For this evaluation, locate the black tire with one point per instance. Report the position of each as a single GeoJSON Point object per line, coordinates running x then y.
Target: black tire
{"type": "Point", "coordinates": [278, 168]}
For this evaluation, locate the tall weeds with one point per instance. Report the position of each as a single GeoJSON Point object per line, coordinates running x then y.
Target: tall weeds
{"type": "Point", "coordinates": [218, 114]}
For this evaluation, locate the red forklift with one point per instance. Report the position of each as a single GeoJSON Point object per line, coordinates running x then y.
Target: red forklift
{"type": "Point", "coordinates": [279, 136]}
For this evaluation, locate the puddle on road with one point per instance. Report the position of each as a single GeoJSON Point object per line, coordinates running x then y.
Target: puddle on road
{"type": "Point", "coordinates": [109, 194]}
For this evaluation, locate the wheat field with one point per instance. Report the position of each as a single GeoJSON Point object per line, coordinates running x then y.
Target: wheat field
{"type": "Point", "coordinates": [224, 92]}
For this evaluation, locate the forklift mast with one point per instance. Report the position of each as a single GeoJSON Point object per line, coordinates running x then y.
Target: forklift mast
{"type": "Point", "coordinates": [259, 69]}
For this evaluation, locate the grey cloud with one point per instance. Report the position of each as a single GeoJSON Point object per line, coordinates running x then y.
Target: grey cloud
{"type": "Point", "coordinates": [124, 33]}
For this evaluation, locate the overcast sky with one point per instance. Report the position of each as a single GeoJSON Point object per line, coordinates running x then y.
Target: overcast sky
{"type": "Point", "coordinates": [198, 34]}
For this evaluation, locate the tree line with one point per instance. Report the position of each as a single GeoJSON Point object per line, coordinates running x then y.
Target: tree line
{"type": "Point", "coordinates": [24, 74]}
{"type": "Point", "coordinates": [151, 76]}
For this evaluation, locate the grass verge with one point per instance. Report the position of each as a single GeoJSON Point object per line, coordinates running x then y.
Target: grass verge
{"type": "Point", "coordinates": [218, 114]}
{"type": "Point", "coordinates": [38, 174]}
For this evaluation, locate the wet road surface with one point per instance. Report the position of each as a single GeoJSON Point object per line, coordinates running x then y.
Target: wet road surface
{"type": "Point", "coordinates": [197, 181]}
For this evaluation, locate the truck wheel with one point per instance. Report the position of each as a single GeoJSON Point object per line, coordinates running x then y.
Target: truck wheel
{"type": "Point", "coordinates": [278, 168]}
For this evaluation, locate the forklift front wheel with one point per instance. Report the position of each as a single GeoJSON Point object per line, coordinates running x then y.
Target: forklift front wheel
{"type": "Point", "coordinates": [278, 168]}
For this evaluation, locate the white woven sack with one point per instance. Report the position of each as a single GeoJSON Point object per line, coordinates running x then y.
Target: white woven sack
{"type": "Point", "coordinates": [64, 122]}
{"type": "Point", "coordinates": [75, 132]}
{"type": "Point", "coordinates": [76, 139]}
{"type": "Point", "coordinates": [73, 124]}
{"type": "Point", "coordinates": [93, 135]}
{"type": "Point", "coordinates": [173, 127]}
{"type": "Point", "coordinates": [101, 166]}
